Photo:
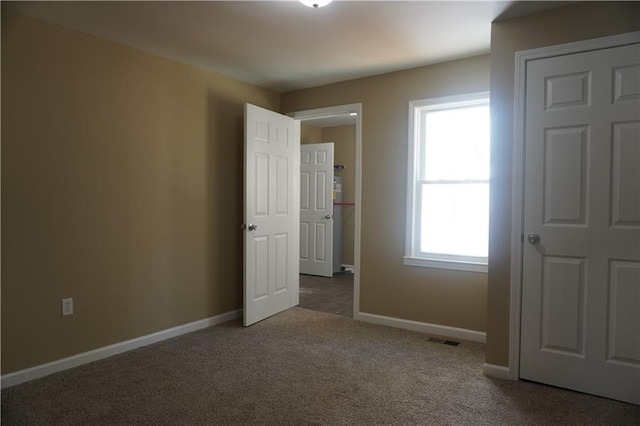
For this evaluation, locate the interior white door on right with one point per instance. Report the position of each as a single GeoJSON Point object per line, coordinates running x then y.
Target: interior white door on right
{"type": "Point", "coordinates": [580, 325]}
{"type": "Point", "coordinates": [316, 209]}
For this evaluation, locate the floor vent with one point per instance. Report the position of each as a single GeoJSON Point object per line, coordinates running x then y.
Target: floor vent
{"type": "Point", "coordinates": [444, 342]}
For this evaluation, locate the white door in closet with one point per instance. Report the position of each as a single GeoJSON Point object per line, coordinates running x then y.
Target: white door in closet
{"type": "Point", "coordinates": [581, 263]}
{"type": "Point", "coordinates": [271, 213]}
{"type": "Point", "coordinates": [316, 209]}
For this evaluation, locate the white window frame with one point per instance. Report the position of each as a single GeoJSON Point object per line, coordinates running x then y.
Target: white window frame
{"type": "Point", "coordinates": [413, 255]}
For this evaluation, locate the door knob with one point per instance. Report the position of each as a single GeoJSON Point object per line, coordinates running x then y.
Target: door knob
{"type": "Point", "coordinates": [252, 227]}
{"type": "Point", "coordinates": [533, 239]}
{"type": "Point", "coordinates": [328, 216]}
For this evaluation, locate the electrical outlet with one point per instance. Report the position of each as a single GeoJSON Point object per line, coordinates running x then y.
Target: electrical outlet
{"type": "Point", "coordinates": [67, 307]}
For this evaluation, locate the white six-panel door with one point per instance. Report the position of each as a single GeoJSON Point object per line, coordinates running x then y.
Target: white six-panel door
{"type": "Point", "coordinates": [271, 280]}
{"type": "Point", "coordinates": [580, 324]}
{"type": "Point", "coordinates": [316, 209]}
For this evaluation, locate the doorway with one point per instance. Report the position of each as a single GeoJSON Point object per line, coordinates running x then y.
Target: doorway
{"type": "Point", "coordinates": [340, 125]}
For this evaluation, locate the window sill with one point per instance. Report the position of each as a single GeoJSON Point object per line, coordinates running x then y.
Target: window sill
{"type": "Point", "coordinates": [445, 264]}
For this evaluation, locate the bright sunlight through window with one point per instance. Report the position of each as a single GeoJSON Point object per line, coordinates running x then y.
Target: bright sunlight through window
{"type": "Point", "coordinates": [448, 202]}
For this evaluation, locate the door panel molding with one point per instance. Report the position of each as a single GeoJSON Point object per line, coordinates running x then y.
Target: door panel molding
{"type": "Point", "coordinates": [517, 219]}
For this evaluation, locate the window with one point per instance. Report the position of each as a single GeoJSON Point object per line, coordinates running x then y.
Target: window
{"type": "Point", "coordinates": [448, 183]}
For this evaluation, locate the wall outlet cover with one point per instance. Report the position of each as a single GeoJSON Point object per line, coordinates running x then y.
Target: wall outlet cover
{"type": "Point", "coordinates": [67, 307]}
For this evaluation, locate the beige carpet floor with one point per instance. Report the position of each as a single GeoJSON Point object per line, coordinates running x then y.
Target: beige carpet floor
{"type": "Point", "coordinates": [300, 367]}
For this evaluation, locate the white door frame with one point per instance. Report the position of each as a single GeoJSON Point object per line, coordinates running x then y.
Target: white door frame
{"type": "Point", "coordinates": [341, 110]}
{"type": "Point", "coordinates": [517, 213]}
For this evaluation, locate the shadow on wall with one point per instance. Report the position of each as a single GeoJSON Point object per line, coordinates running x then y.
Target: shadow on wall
{"type": "Point", "coordinates": [224, 202]}
{"type": "Point", "coordinates": [516, 9]}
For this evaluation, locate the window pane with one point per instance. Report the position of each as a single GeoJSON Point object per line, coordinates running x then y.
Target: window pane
{"type": "Point", "coordinates": [455, 219]}
{"type": "Point", "coordinates": [456, 144]}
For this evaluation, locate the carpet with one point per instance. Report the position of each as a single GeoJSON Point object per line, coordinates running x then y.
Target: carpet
{"type": "Point", "coordinates": [300, 367]}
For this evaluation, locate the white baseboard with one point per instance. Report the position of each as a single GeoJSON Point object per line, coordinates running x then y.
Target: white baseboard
{"type": "Point", "coordinates": [497, 371]}
{"type": "Point", "coordinates": [36, 372]}
{"type": "Point", "coordinates": [347, 267]}
{"type": "Point", "coordinates": [440, 330]}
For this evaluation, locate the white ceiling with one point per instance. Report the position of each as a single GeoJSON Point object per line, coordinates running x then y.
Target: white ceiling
{"type": "Point", "coordinates": [283, 45]}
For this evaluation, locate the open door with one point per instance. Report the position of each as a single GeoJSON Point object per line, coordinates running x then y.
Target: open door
{"type": "Point", "coordinates": [271, 213]}
{"type": "Point", "coordinates": [316, 209]}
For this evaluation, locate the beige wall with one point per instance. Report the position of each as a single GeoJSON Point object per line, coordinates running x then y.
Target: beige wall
{"type": "Point", "coordinates": [568, 24]}
{"type": "Point", "coordinates": [344, 139]}
{"type": "Point", "coordinates": [121, 188]}
{"type": "Point", "coordinates": [310, 134]}
{"type": "Point", "coordinates": [387, 287]}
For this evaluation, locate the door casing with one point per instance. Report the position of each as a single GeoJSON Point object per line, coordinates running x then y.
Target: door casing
{"type": "Point", "coordinates": [517, 219]}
